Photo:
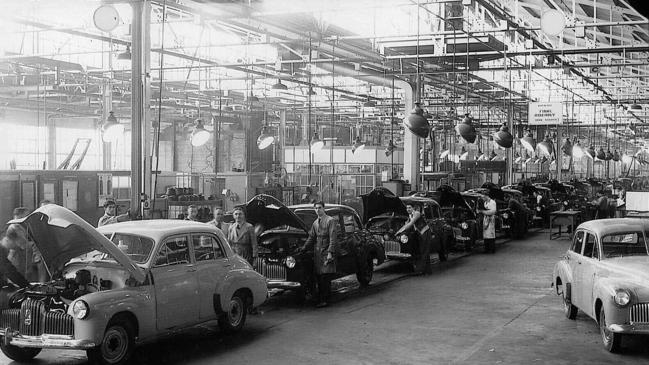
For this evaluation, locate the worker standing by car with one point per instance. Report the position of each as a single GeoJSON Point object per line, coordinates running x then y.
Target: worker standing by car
{"type": "Point", "coordinates": [192, 213]}
{"type": "Point", "coordinates": [242, 237]}
{"type": "Point", "coordinates": [21, 251]}
{"type": "Point", "coordinates": [323, 239]}
{"type": "Point", "coordinates": [601, 204]}
{"type": "Point", "coordinates": [110, 216]}
{"type": "Point", "coordinates": [218, 221]}
{"type": "Point", "coordinates": [489, 224]}
{"type": "Point", "coordinates": [421, 253]}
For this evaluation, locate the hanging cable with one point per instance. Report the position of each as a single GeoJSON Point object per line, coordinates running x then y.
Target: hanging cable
{"type": "Point", "coordinates": [157, 130]}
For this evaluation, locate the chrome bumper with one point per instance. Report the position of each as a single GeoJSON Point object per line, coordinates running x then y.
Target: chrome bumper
{"type": "Point", "coordinates": [462, 238]}
{"type": "Point", "coordinates": [397, 255]}
{"type": "Point", "coordinates": [45, 341]}
{"type": "Point", "coordinates": [636, 328]}
{"type": "Point", "coordinates": [281, 284]}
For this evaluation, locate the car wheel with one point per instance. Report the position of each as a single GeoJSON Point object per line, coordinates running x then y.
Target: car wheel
{"type": "Point", "coordinates": [443, 250]}
{"type": "Point", "coordinates": [234, 319]}
{"type": "Point", "coordinates": [117, 345]}
{"type": "Point", "coordinates": [468, 245]}
{"type": "Point", "coordinates": [569, 309]}
{"type": "Point", "coordinates": [364, 275]}
{"type": "Point", "coordinates": [20, 354]}
{"type": "Point", "coordinates": [611, 340]}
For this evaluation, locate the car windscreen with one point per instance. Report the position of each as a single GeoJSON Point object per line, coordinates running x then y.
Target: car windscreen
{"type": "Point", "coordinates": [137, 248]}
{"type": "Point", "coordinates": [624, 244]}
{"type": "Point", "coordinates": [308, 216]}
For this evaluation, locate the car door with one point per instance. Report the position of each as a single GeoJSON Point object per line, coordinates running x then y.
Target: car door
{"type": "Point", "coordinates": [212, 266]}
{"type": "Point", "coordinates": [436, 222]}
{"type": "Point", "coordinates": [586, 272]}
{"type": "Point", "coordinates": [575, 260]}
{"type": "Point", "coordinates": [347, 241]}
{"type": "Point", "coordinates": [176, 284]}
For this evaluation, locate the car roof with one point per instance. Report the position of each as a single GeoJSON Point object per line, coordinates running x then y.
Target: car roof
{"type": "Point", "coordinates": [612, 225]}
{"type": "Point", "coordinates": [418, 200]}
{"type": "Point", "coordinates": [157, 228]}
{"type": "Point", "coordinates": [328, 207]}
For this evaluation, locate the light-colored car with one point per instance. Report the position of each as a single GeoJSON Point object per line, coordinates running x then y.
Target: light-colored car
{"type": "Point", "coordinates": [124, 284]}
{"type": "Point", "coordinates": [605, 273]}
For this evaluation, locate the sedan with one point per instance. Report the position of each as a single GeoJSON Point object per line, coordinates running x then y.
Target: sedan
{"type": "Point", "coordinates": [124, 284]}
{"type": "Point", "coordinates": [605, 274]}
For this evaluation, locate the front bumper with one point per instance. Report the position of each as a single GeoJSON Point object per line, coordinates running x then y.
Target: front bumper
{"type": "Point", "coordinates": [636, 328]}
{"type": "Point", "coordinates": [282, 284]}
{"type": "Point", "coordinates": [45, 341]}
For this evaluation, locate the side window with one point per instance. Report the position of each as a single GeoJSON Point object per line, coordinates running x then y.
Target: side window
{"type": "Point", "coordinates": [428, 212]}
{"type": "Point", "coordinates": [436, 212]}
{"type": "Point", "coordinates": [349, 223]}
{"type": "Point", "coordinates": [577, 242]}
{"type": "Point", "coordinates": [589, 245]}
{"type": "Point", "coordinates": [175, 251]}
{"type": "Point", "coordinates": [206, 247]}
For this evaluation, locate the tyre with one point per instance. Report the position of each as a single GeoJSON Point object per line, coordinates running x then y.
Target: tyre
{"type": "Point", "coordinates": [443, 250]}
{"type": "Point", "coordinates": [364, 275]}
{"type": "Point", "coordinates": [468, 245]}
{"type": "Point", "coordinates": [20, 354]}
{"type": "Point", "coordinates": [611, 340]}
{"type": "Point", "coordinates": [117, 345]}
{"type": "Point", "coordinates": [235, 317]}
{"type": "Point", "coordinates": [569, 310]}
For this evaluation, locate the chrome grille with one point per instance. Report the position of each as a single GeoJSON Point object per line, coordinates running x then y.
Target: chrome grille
{"type": "Point", "coordinates": [58, 323]}
{"type": "Point", "coordinates": [270, 270]}
{"type": "Point", "coordinates": [392, 246]}
{"type": "Point", "coordinates": [31, 317]}
{"type": "Point", "coordinates": [639, 313]}
{"type": "Point", "coordinates": [10, 318]}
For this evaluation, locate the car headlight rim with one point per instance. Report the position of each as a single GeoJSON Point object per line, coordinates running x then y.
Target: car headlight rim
{"type": "Point", "coordinates": [403, 238]}
{"type": "Point", "coordinates": [290, 262]}
{"type": "Point", "coordinates": [622, 297]}
{"type": "Point", "coordinates": [464, 225]}
{"type": "Point", "coordinates": [505, 216]}
{"type": "Point", "coordinates": [80, 309]}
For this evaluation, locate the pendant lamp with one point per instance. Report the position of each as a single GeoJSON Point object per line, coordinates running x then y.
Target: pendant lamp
{"type": "Point", "coordinates": [416, 122]}
{"type": "Point", "coordinates": [466, 130]}
{"type": "Point", "coordinates": [265, 139]}
{"type": "Point", "coordinates": [389, 149]}
{"type": "Point", "coordinates": [529, 142]}
{"type": "Point", "coordinates": [358, 145]}
{"type": "Point", "coordinates": [316, 142]}
{"type": "Point", "coordinates": [111, 129]}
{"type": "Point", "coordinates": [609, 155]}
{"type": "Point", "coordinates": [616, 156]}
{"type": "Point", "coordinates": [503, 137]}
{"type": "Point", "coordinates": [200, 135]}
{"type": "Point", "coordinates": [567, 147]}
{"type": "Point", "coordinates": [546, 146]}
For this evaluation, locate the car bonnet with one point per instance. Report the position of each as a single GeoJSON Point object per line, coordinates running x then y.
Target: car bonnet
{"type": "Point", "coordinates": [61, 235]}
{"type": "Point", "coordinates": [271, 213]}
{"type": "Point", "coordinates": [379, 201]}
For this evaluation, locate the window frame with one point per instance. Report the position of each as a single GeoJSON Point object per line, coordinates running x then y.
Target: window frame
{"type": "Point", "coordinates": [581, 242]}
{"type": "Point", "coordinates": [218, 243]}
{"type": "Point", "coordinates": [164, 243]}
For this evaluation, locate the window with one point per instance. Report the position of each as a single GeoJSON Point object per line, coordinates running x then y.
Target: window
{"type": "Point", "coordinates": [624, 244]}
{"type": "Point", "coordinates": [206, 247]}
{"type": "Point", "coordinates": [577, 242]}
{"type": "Point", "coordinates": [137, 248]}
{"type": "Point", "coordinates": [174, 251]}
{"type": "Point", "coordinates": [590, 246]}
{"type": "Point", "coordinates": [349, 223]}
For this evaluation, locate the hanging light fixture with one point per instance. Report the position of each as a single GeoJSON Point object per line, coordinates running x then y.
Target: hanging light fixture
{"type": "Point", "coordinates": [567, 147]}
{"type": "Point", "coordinates": [126, 55]}
{"type": "Point", "coordinates": [591, 151]}
{"type": "Point", "coordinates": [316, 142]}
{"type": "Point", "coordinates": [609, 155]}
{"type": "Point", "coordinates": [358, 145]}
{"type": "Point", "coordinates": [417, 123]}
{"type": "Point", "coordinates": [464, 154]}
{"type": "Point", "coordinates": [200, 135]}
{"type": "Point", "coordinates": [529, 142]}
{"type": "Point", "coordinates": [369, 103]}
{"type": "Point", "coordinates": [577, 151]}
{"type": "Point", "coordinates": [493, 155]}
{"type": "Point", "coordinates": [111, 129]}
{"type": "Point", "coordinates": [503, 137]}
{"type": "Point", "coordinates": [616, 156]}
{"type": "Point", "coordinates": [466, 130]}
{"type": "Point", "coordinates": [627, 159]}
{"type": "Point", "coordinates": [546, 146]}
{"type": "Point", "coordinates": [445, 152]}
{"type": "Point", "coordinates": [279, 85]}
{"type": "Point", "coordinates": [389, 149]}
{"type": "Point", "coordinates": [518, 158]}
{"type": "Point", "coordinates": [265, 139]}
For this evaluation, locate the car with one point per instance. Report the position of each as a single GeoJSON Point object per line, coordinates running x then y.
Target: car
{"type": "Point", "coordinates": [386, 213]}
{"type": "Point", "coordinates": [283, 232]}
{"type": "Point", "coordinates": [604, 274]}
{"type": "Point", "coordinates": [515, 220]}
{"type": "Point", "coordinates": [461, 217]}
{"type": "Point", "coordinates": [123, 284]}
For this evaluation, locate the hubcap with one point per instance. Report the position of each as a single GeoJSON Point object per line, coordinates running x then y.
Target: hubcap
{"type": "Point", "coordinates": [115, 344]}
{"type": "Point", "coordinates": [236, 311]}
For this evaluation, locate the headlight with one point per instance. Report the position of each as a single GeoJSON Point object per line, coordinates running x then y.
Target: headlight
{"type": "Point", "coordinates": [386, 237]}
{"type": "Point", "coordinates": [80, 309]}
{"type": "Point", "coordinates": [464, 225]}
{"type": "Point", "coordinates": [290, 262]}
{"type": "Point", "coordinates": [622, 297]}
{"type": "Point", "coordinates": [565, 203]}
{"type": "Point", "coordinates": [403, 238]}
{"type": "Point", "coordinates": [505, 216]}
{"type": "Point", "coordinates": [538, 209]}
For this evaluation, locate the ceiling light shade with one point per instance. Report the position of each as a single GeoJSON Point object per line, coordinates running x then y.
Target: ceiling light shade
{"type": "Point", "coordinates": [529, 142]}
{"type": "Point", "coordinates": [492, 155]}
{"type": "Point", "coordinates": [616, 156]}
{"type": "Point", "coordinates": [567, 147]}
{"type": "Point", "coordinates": [389, 149]}
{"type": "Point", "coordinates": [369, 103]}
{"type": "Point", "coordinates": [111, 130]}
{"type": "Point", "coordinates": [265, 139]}
{"type": "Point", "coordinates": [466, 130]}
{"type": "Point", "coordinates": [627, 159]}
{"type": "Point", "coordinates": [316, 142]}
{"type": "Point", "coordinates": [417, 123]}
{"type": "Point", "coordinates": [635, 106]}
{"type": "Point", "coordinates": [444, 153]}
{"type": "Point", "coordinates": [609, 156]}
{"type": "Point", "coordinates": [503, 137]}
{"type": "Point", "coordinates": [590, 152]}
{"type": "Point", "coordinates": [553, 22]}
{"type": "Point", "coordinates": [200, 135]}
{"type": "Point", "coordinates": [577, 151]}
{"type": "Point", "coordinates": [546, 146]}
{"type": "Point", "coordinates": [279, 85]}
{"type": "Point", "coordinates": [518, 158]}
{"type": "Point", "coordinates": [543, 160]}
{"type": "Point", "coordinates": [600, 154]}
{"type": "Point", "coordinates": [126, 55]}
{"type": "Point", "coordinates": [358, 145]}
{"type": "Point", "coordinates": [252, 98]}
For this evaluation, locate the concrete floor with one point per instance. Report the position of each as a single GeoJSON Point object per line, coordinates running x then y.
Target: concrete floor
{"type": "Point", "coordinates": [475, 309]}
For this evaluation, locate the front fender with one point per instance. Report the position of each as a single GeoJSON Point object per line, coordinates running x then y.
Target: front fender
{"type": "Point", "coordinates": [103, 305]}
{"type": "Point", "coordinates": [561, 271]}
{"type": "Point", "coordinates": [242, 278]}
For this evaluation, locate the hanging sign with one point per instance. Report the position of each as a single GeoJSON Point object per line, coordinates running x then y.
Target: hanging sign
{"type": "Point", "coordinates": [545, 113]}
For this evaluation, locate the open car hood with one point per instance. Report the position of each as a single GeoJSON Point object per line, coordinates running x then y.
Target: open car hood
{"type": "Point", "coordinates": [271, 213]}
{"type": "Point", "coordinates": [449, 197]}
{"type": "Point", "coordinates": [379, 201]}
{"type": "Point", "coordinates": [61, 235]}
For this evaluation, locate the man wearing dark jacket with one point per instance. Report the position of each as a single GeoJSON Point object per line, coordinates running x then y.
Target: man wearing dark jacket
{"type": "Point", "coordinates": [9, 271]}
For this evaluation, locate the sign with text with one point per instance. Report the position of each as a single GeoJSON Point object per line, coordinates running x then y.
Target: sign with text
{"type": "Point", "coordinates": [545, 113]}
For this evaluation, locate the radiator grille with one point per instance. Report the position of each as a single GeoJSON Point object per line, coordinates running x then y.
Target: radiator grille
{"type": "Point", "coordinates": [392, 246]}
{"type": "Point", "coordinates": [10, 318]}
{"type": "Point", "coordinates": [58, 323]}
{"type": "Point", "coordinates": [31, 317]}
{"type": "Point", "coordinates": [270, 270]}
{"type": "Point", "coordinates": [639, 313]}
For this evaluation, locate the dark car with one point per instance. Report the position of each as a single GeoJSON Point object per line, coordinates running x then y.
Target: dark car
{"type": "Point", "coordinates": [457, 213]}
{"type": "Point", "coordinates": [517, 217]}
{"type": "Point", "coordinates": [386, 213]}
{"type": "Point", "coordinates": [284, 231]}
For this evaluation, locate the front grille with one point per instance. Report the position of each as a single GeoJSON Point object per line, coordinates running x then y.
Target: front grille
{"type": "Point", "coordinates": [639, 313]}
{"type": "Point", "coordinates": [31, 317]}
{"type": "Point", "coordinates": [270, 270]}
{"type": "Point", "coordinates": [392, 246]}
{"type": "Point", "coordinates": [10, 318]}
{"type": "Point", "coordinates": [58, 323]}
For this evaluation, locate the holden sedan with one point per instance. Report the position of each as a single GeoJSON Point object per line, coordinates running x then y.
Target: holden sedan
{"type": "Point", "coordinates": [605, 274]}
{"type": "Point", "coordinates": [124, 284]}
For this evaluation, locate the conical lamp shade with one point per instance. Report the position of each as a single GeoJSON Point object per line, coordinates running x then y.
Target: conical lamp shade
{"type": "Point", "coordinates": [466, 130]}
{"type": "Point", "coordinates": [616, 156]}
{"type": "Point", "coordinates": [529, 142]}
{"type": "Point", "coordinates": [591, 151]}
{"type": "Point", "coordinates": [279, 86]}
{"type": "Point", "coordinates": [316, 142]}
{"type": "Point", "coordinates": [358, 145]}
{"type": "Point", "coordinates": [503, 137]}
{"type": "Point", "coordinates": [546, 146]}
{"type": "Point", "coordinates": [609, 155]}
{"type": "Point", "coordinates": [417, 123]}
{"type": "Point", "coordinates": [567, 147]}
{"type": "Point", "coordinates": [601, 154]}
{"type": "Point", "coordinates": [389, 149]}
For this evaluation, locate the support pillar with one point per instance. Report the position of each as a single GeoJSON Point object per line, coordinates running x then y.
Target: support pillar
{"type": "Point", "coordinates": [410, 142]}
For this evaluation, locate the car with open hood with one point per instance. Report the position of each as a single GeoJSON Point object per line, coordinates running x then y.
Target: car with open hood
{"type": "Point", "coordinates": [283, 232]}
{"type": "Point", "coordinates": [605, 274]}
{"type": "Point", "coordinates": [386, 213]}
{"type": "Point", "coordinates": [122, 284]}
